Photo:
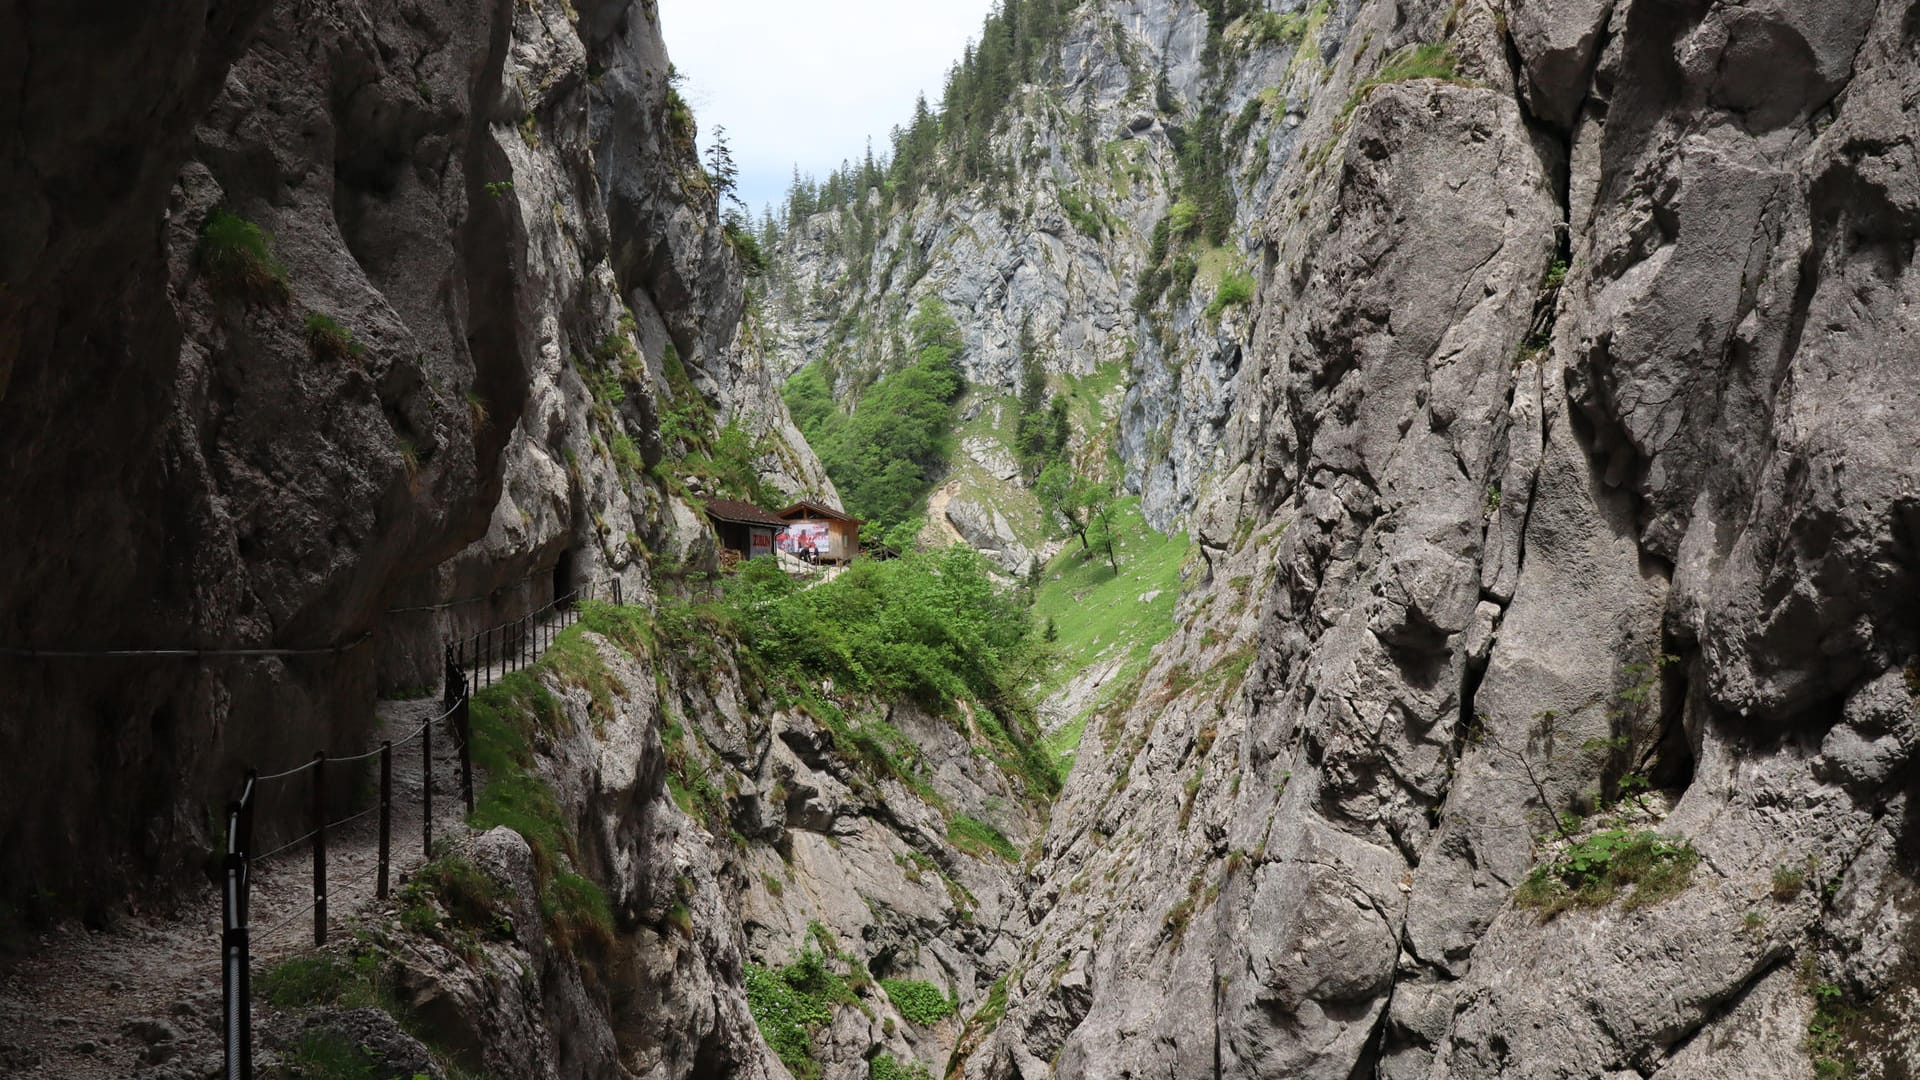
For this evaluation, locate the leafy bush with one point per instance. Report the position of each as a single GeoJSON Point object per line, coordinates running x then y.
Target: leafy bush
{"type": "Point", "coordinates": [1235, 289]}
{"type": "Point", "coordinates": [1830, 1033]}
{"type": "Point", "coordinates": [790, 1003]}
{"type": "Point", "coordinates": [976, 837]}
{"type": "Point", "coordinates": [1183, 218]}
{"type": "Point", "coordinates": [329, 340]}
{"type": "Point", "coordinates": [886, 1067]}
{"type": "Point", "coordinates": [1595, 869]}
{"type": "Point", "coordinates": [747, 246]}
{"type": "Point", "coordinates": [921, 1003]}
{"type": "Point", "coordinates": [236, 256]}
{"type": "Point", "coordinates": [931, 626]}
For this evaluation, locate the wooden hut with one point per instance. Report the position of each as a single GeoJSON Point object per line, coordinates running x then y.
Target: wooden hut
{"type": "Point", "coordinates": [745, 530]}
{"type": "Point", "coordinates": [832, 534]}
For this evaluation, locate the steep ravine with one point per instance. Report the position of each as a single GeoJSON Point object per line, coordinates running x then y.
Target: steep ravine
{"type": "Point", "coordinates": [1541, 699]}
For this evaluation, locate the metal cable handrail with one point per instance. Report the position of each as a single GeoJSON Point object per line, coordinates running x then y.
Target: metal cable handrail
{"type": "Point", "coordinates": [177, 654]}
{"type": "Point", "coordinates": [295, 842]}
{"type": "Point", "coordinates": [520, 647]}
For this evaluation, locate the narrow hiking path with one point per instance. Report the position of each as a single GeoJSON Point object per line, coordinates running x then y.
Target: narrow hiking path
{"type": "Point", "coordinates": [143, 998]}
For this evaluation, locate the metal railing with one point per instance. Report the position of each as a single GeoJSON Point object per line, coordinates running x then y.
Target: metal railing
{"type": "Point", "coordinates": [511, 646]}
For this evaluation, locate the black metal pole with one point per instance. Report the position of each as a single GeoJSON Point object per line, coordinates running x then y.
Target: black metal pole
{"type": "Point", "coordinates": [320, 848]}
{"type": "Point", "coordinates": [426, 787]}
{"type": "Point", "coordinates": [233, 951]}
{"type": "Point", "coordinates": [463, 721]}
{"type": "Point", "coordinates": [386, 816]}
{"type": "Point", "coordinates": [244, 848]}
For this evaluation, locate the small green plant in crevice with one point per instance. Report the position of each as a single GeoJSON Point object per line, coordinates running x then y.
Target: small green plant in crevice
{"type": "Point", "coordinates": [473, 902]}
{"type": "Point", "coordinates": [499, 189]}
{"type": "Point", "coordinates": [1788, 881]}
{"type": "Point", "coordinates": [887, 1067]}
{"type": "Point", "coordinates": [1829, 1033]}
{"type": "Point", "coordinates": [1434, 60]}
{"type": "Point", "coordinates": [1596, 869]}
{"type": "Point", "coordinates": [993, 1007]}
{"type": "Point", "coordinates": [329, 340]}
{"type": "Point", "coordinates": [477, 409]}
{"type": "Point", "coordinates": [976, 838]}
{"type": "Point", "coordinates": [921, 1003]}
{"type": "Point", "coordinates": [237, 258]}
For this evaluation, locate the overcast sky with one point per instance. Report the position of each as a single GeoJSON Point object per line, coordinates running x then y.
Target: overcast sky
{"type": "Point", "coordinates": [807, 81]}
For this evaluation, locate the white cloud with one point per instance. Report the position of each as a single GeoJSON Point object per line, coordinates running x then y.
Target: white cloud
{"type": "Point", "coordinates": [807, 82]}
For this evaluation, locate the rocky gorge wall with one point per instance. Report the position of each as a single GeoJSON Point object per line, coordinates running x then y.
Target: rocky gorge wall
{"type": "Point", "coordinates": [1566, 477]}
{"type": "Point", "coordinates": [474, 256]}
{"type": "Point", "coordinates": [486, 328]}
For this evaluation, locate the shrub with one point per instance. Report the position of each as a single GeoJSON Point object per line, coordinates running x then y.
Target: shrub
{"type": "Point", "coordinates": [626, 457]}
{"type": "Point", "coordinates": [790, 1003]}
{"type": "Point", "coordinates": [349, 982]}
{"type": "Point", "coordinates": [235, 255]}
{"type": "Point", "coordinates": [329, 1055]}
{"type": "Point", "coordinates": [1595, 869]}
{"type": "Point", "coordinates": [1082, 215]}
{"type": "Point", "coordinates": [1235, 289]}
{"type": "Point", "coordinates": [885, 1067]}
{"type": "Point", "coordinates": [747, 247]}
{"type": "Point", "coordinates": [1183, 218]}
{"type": "Point", "coordinates": [921, 1003]}
{"type": "Point", "coordinates": [977, 837]}
{"type": "Point", "coordinates": [329, 340]}
{"type": "Point", "coordinates": [1830, 1032]}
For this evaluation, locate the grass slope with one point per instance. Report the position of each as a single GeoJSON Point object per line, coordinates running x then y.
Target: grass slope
{"type": "Point", "coordinates": [1099, 615]}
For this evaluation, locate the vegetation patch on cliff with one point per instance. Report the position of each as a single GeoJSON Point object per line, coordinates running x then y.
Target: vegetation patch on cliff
{"type": "Point", "coordinates": [1596, 869]}
{"type": "Point", "coordinates": [793, 1002]}
{"type": "Point", "coordinates": [920, 1002]}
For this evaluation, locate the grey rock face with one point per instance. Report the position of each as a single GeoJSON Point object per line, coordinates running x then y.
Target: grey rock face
{"type": "Point", "coordinates": [1014, 255]}
{"type": "Point", "coordinates": [1550, 494]}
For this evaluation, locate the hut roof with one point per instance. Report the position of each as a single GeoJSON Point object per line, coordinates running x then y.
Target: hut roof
{"type": "Point", "coordinates": [741, 513]}
{"type": "Point", "coordinates": [807, 508]}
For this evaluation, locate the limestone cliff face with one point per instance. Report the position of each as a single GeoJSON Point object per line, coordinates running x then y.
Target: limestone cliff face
{"type": "Point", "coordinates": [484, 255]}
{"type": "Point", "coordinates": [1568, 451]}
{"type": "Point", "coordinates": [1090, 157]}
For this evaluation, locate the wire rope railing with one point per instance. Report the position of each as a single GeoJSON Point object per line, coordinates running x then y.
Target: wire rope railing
{"type": "Point", "coordinates": [471, 663]}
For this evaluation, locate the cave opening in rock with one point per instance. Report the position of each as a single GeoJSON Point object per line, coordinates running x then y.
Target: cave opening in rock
{"type": "Point", "coordinates": [563, 574]}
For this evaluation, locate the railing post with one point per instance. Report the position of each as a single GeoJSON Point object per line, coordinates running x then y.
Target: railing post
{"type": "Point", "coordinates": [463, 722]}
{"type": "Point", "coordinates": [320, 848]}
{"type": "Point", "coordinates": [426, 788]}
{"type": "Point", "coordinates": [235, 948]}
{"type": "Point", "coordinates": [386, 816]}
{"type": "Point", "coordinates": [616, 593]}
